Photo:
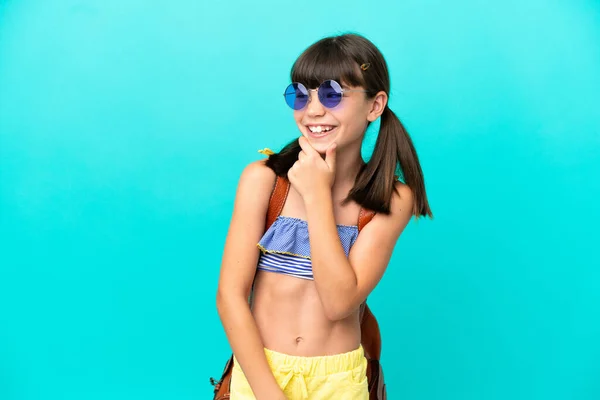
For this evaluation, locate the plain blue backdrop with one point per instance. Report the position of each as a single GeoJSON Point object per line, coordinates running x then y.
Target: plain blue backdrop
{"type": "Point", "coordinates": [124, 126]}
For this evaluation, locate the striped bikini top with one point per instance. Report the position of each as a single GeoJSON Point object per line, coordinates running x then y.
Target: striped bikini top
{"type": "Point", "coordinates": [285, 246]}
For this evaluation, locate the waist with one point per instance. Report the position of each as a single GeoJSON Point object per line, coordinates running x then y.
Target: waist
{"type": "Point", "coordinates": [305, 335]}
{"type": "Point", "coordinates": [316, 365]}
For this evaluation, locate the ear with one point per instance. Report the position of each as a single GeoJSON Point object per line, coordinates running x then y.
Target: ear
{"type": "Point", "coordinates": [378, 104]}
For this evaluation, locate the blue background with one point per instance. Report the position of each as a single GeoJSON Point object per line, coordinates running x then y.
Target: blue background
{"type": "Point", "coordinates": [124, 126]}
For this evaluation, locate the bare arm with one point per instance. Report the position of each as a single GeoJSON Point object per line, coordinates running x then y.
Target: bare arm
{"type": "Point", "coordinates": [344, 283]}
{"type": "Point", "coordinates": [238, 268]}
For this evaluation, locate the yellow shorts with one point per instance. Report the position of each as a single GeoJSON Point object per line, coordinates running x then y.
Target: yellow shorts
{"type": "Point", "coordinates": [339, 377]}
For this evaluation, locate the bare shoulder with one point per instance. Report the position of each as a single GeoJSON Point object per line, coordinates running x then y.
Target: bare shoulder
{"type": "Point", "coordinates": [256, 182]}
{"type": "Point", "coordinates": [386, 228]}
{"type": "Point", "coordinates": [254, 190]}
{"type": "Point", "coordinates": [402, 204]}
{"type": "Point", "coordinates": [258, 172]}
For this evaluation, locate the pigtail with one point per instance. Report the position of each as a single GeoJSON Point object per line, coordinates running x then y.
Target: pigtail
{"type": "Point", "coordinates": [376, 182]}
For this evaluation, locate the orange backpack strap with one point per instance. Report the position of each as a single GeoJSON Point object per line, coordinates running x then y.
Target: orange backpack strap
{"type": "Point", "coordinates": [364, 217]}
{"type": "Point", "coordinates": [277, 200]}
{"type": "Point", "coordinates": [371, 337]}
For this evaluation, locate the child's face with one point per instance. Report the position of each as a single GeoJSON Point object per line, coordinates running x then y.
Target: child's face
{"type": "Point", "coordinates": [345, 123]}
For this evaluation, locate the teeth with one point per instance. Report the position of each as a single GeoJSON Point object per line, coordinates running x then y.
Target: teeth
{"type": "Point", "coordinates": [320, 128]}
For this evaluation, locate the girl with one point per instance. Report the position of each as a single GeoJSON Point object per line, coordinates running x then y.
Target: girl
{"type": "Point", "coordinates": [311, 270]}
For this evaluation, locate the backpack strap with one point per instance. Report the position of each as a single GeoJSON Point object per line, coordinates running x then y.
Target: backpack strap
{"type": "Point", "coordinates": [369, 327]}
{"type": "Point", "coordinates": [364, 217]}
{"type": "Point", "coordinates": [277, 200]}
{"type": "Point", "coordinates": [370, 333]}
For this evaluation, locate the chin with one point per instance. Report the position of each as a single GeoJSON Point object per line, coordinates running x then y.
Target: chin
{"type": "Point", "coordinates": [319, 146]}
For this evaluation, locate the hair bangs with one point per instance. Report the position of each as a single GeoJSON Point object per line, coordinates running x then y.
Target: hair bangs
{"type": "Point", "coordinates": [325, 60]}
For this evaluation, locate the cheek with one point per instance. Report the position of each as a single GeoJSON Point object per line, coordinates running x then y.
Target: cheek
{"type": "Point", "coordinates": [298, 116]}
{"type": "Point", "coordinates": [352, 116]}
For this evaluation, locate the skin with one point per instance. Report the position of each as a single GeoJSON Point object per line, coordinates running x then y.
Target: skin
{"type": "Point", "coordinates": [296, 316]}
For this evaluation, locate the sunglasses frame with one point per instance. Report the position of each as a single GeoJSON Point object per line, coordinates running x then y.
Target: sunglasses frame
{"type": "Point", "coordinates": [317, 90]}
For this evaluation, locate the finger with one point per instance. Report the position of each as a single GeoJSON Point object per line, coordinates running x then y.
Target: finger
{"type": "Point", "coordinates": [330, 156]}
{"type": "Point", "coordinates": [301, 155]}
{"type": "Point", "coordinates": [306, 147]}
{"type": "Point", "coordinates": [291, 172]}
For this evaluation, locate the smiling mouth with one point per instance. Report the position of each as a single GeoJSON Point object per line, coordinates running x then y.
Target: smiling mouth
{"type": "Point", "coordinates": [320, 130]}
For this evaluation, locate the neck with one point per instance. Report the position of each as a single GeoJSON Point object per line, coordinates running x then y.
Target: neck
{"type": "Point", "coordinates": [348, 164]}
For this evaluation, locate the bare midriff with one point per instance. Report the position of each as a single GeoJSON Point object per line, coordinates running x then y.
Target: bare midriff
{"type": "Point", "coordinates": [291, 319]}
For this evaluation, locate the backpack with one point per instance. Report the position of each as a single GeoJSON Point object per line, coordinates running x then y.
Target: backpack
{"type": "Point", "coordinates": [370, 335]}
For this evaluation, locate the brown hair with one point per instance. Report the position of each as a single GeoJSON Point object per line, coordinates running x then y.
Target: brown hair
{"type": "Point", "coordinates": [339, 58]}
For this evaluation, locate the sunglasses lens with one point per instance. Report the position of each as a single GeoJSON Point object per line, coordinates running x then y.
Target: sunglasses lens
{"type": "Point", "coordinates": [330, 93]}
{"type": "Point", "coordinates": [296, 96]}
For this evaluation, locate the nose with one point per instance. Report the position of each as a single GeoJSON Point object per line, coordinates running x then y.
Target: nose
{"type": "Point", "coordinates": [314, 108]}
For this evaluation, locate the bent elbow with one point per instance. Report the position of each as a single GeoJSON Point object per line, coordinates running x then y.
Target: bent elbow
{"type": "Point", "coordinates": [221, 302]}
{"type": "Point", "coordinates": [228, 301]}
{"type": "Point", "coordinates": [337, 312]}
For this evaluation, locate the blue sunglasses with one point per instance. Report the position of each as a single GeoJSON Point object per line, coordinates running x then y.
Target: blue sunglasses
{"type": "Point", "coordinates": [330, 94]}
